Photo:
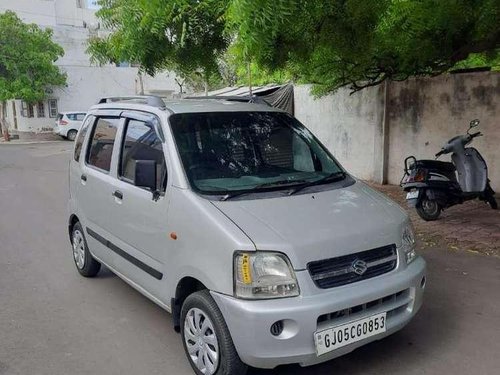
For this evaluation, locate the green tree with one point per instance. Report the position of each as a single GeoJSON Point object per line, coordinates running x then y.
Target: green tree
{"type": "Point", "coordinates": [27, 56]}
{"type": "Point", "coordinates": [361, 43]}
{"type": "Point", "coordinates": [185, 36]}
{"type": "Point", "coordinates": [335, 43]}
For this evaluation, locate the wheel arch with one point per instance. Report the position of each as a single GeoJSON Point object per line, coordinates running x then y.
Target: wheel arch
{"type": "Point", "coordinates": [73, 219]}
{"type": "Point", "coordinates": [186, 286]}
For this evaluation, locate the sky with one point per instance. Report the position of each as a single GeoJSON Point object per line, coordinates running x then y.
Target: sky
{"type": "Point", "coordinates": [92, 4]}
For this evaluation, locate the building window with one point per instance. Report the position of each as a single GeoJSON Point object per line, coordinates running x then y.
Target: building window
{"type": "Point", "coordinates": [24, 109]}
{"type": "Point", "coordinates": [31, 110]}
{"type": "Point", "coordinates": [53, 108]}
{"type": "Point", "coordinates": [27, 109]}
{"type": "Point", "coordinates": [40, 109]}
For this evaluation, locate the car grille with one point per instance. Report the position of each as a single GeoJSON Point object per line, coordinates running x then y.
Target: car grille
{"type": "Point", "coordinates": [393, 304]}
{"type": "Point", "coordinates": [330, 273]}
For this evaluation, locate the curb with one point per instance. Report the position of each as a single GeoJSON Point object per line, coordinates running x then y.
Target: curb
{"type": "Point", "coordinates": [21, 143]}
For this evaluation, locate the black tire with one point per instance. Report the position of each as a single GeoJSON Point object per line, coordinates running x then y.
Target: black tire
{"type": "Point", "coordinates": [429, 209]}
{"type": "Point", "coordinates": [489, 197]}
{"type": "Point", "coordinates": [492, 202]}
{"type": "Point", "coordinates": [229, 362]}
{"type": "Point", "coordinates": [71, 135]}
{"type": "Point", "coordinates": [89, 267]}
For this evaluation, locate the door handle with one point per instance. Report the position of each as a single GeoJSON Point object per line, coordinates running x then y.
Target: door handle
{"type": "Point", "coordinates": [118, 194]}
{"type": "Point", "coordinates": [83, 177]}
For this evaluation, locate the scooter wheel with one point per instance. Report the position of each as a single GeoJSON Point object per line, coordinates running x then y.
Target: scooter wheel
{"type": "Point", "coordinates": [492, 202]}
{"type": "Point", "coordinates": [490, 197]}
{"type": "Point", "coordinates": [429, 209]}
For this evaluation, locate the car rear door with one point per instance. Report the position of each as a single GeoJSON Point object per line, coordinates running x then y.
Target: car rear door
{"type": "Point", "coordinates": [97, 183]}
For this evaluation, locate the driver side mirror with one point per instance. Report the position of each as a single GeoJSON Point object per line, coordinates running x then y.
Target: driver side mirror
{"type": "Point", "coordinates": [474, 123]}
{"type": "Point", "coordinates": [145, 174]}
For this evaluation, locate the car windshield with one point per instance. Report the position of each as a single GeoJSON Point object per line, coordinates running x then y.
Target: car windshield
{"type": "Point", "coordinates": [229, 152]}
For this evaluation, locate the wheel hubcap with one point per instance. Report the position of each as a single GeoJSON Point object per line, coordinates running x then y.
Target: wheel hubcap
{"type": "Point", "coordinates": [78, 249]}
{"type": "Point", "coordinates": [201, 341]}
{"type": "Point", "coordinates": [430, 207]}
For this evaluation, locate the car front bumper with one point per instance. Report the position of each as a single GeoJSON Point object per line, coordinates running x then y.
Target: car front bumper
{"type": "Point", "coordinates": [398, 293]}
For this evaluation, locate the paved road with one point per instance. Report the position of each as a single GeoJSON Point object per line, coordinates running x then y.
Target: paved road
{"type": "Point", "coordinates": [54, 322]}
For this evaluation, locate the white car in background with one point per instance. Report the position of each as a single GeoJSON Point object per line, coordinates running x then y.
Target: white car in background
{"type": "Point", "coordinates": [68, 124]}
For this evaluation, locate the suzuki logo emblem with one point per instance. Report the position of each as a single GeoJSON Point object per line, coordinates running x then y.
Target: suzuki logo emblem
{"type": "Point", "coordinates": [359, 266]}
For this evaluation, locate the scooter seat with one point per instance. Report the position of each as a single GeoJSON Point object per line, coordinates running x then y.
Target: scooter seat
{"type": "Point", "coordinates": [444, 166]}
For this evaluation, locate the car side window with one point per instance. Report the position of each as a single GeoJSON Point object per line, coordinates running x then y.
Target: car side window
{"type": "Point", "coordinates": [102, 142]}
{"type": "Point", "coordinates": [141, 142]}
{"type": "Point", "coordinates": [81, 137]}
{"type": "Point", "coordinates": [80, 116]}
{"type": "Point", "coordinates": [71, 116]}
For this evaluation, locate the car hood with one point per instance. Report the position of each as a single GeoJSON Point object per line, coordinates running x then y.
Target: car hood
{"type": "Point", "coordinates": [320, 225]}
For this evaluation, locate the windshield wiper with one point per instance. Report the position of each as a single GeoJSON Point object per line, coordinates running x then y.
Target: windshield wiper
{"type": "Point", "coordinates": [335, 176]}
{"type": "Point", "coordinates": [261, 186]}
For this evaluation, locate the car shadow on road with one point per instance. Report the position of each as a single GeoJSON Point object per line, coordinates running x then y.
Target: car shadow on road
{"type": "Point", "coordinates": [105, 273]}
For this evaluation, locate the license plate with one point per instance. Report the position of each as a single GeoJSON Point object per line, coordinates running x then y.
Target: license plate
{"type": "Point", "coordinates": [412, 194]}
{"type": "Point", "coordinates": [336, 337]}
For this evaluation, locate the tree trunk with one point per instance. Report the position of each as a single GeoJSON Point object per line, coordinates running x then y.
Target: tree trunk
{"type": "Point", "coordinates": [249, 78]}
{"type": "Point", "coordinates": [181, 85]}
{"type": "Point", "coordinates": [3, 123]}
{"type": "Point", "coordinates": [141, 83]}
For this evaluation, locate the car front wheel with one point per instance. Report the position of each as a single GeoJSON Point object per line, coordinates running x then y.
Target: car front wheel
{"type": "Point", "coordinates": [206, 338]}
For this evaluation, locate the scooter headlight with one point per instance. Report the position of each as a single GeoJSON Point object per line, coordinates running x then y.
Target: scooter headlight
{"type": "Point", "coordinates": [408, 243]}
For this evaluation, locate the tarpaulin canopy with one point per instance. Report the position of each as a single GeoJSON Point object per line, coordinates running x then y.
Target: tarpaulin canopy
{"type": "Point", "coordinates": [279, 96]}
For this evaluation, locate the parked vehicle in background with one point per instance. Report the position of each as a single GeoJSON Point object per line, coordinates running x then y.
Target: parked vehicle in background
{"type": "Point", "coordinates": [233, 217]}
{"type": "Point", "coordinates": [432, 185]}
{"type": "Point", "coordinates": [68, 124]}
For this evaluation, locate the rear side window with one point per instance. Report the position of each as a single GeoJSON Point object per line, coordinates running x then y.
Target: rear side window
{"type": "Point", "coordinates": [71, 116]}
{"type": "Point", "coordinates": [103, 140]}
{"type": "Point", "coordinates": [81, 137]}
{"type": "Point", "coordinates": [141, 143]}
{"type": "Point", "coordinates": [80, 116]}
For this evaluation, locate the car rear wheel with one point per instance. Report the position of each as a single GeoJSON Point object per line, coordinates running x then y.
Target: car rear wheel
{"type": "Point", "coordinates": [206, 338]}
{"type": "Point", "coordinates": [84, 261]}
{"type": "Point", "coordinates": [429, 209]}
{"type": "Point", "coordinates": [72, 135]}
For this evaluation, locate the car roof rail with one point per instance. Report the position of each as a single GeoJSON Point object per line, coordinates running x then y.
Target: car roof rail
{"type": "Point", "coordinates": [152, 100]}
{"type": "Point", "coordinates": [242, 99]}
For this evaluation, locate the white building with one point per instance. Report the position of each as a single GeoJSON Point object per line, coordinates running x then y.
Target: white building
{"type": "Point", "coordinates": [73, 21]}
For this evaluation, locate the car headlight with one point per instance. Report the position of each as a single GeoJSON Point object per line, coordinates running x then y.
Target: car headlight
{"type": "Point", "coordinates": [262, 275]}
{"type": "Point", "coordinates": [408, 243]}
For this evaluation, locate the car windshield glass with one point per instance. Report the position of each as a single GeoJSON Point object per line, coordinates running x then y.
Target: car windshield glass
{"type": "Point", "coordinates": [228, 152]}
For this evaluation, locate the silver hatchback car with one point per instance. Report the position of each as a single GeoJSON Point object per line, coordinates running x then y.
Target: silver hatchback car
{"type": "Point", "coordinates": [233, 217]}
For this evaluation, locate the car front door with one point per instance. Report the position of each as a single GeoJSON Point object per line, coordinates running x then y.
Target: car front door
{"type": "Point", "coordinates": [140, 231]}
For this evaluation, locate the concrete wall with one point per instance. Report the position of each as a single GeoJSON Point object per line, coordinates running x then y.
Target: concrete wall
{"type": "Point", "coordinates": [348, 125]}
{"type": "Point", "coordinates": [425, 113]}
{"type": "Point", "coordinates": [421, 115]}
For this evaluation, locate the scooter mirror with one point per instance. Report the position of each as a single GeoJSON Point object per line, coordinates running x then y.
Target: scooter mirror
{"type": "Point", "coordinates": [474, 123]}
